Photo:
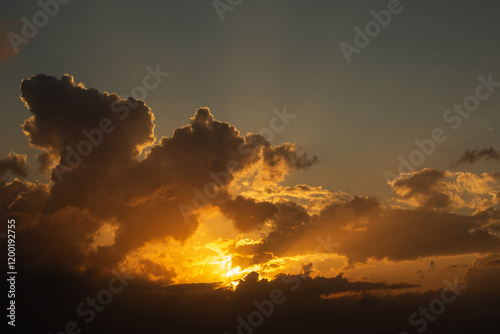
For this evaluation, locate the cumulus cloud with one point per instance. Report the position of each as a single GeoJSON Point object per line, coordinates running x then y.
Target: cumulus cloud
{"type": "Point", "coordinates": [14, 164]}
{"type": "Point", "coordinates": [435, 190]}
{"type": "Point", "coordinates": [66, 115]}
{"type": "Point", "coordinates": [91, 142]}
{"type": "Point", "coordinates": [423, 189]}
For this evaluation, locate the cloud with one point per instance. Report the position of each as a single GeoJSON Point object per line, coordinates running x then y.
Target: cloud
{"type": "Point", "coordinates": [247, 214]}
{"type": "Point", "coordinates": [398, 235]}
{"type": "Point", "coordinates": [435, 190]}
{"type": "Point", "coordinates": [310, 304]}
{"type": "Point", "coordinates": [96, 172]}
{"type": "Point", "coordinates": [66, 116]}
{"type": "Point", "coordinates": [484, 274]}
{"type": "Point", "coordinates": [368, 230]}
{"type": "Point", "coordinates": [199, 166]}
{"type": "Point", "coordinates": [472, 156]}
{"type": "Point", "coordinates": [155, 271]}
{"type": "Point", "coordinates": [422, 189]}
{"type": "Point", "coordinates": [282, 157]}
{"type": "Point", "coordinates": [15, 164]}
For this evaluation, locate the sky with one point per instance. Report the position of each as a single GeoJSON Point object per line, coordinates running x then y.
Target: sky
{"type": "Point", "coordinates": [219, 154]}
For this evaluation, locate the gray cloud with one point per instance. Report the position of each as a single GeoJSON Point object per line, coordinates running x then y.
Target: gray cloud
{"type": "Point", "coordinates": [472, 156]}
{"type": "Point", "coordinates": [14, 164]}
{"type": "Point", "coordinates": [110, 183]}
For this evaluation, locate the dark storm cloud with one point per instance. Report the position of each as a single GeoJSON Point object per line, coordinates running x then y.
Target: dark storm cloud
{"type": "Point", "coordinates": [14, 164]}
{"type": "Point", "coordinates": [472, 156]}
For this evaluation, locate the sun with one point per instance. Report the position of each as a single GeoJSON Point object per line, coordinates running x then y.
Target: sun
{"type": "Point", "coordinates": [206, 257]}
{"type": "Point", "coordinates": [230, 275]}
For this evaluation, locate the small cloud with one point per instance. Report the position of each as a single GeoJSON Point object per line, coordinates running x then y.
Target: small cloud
{"type": "Point", "coordinates": [15, 164]}
{"type": "Point", "coordinates": [471, 157]}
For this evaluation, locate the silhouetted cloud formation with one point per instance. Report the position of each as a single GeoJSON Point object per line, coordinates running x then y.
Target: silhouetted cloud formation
{"type": "Point", "coordinates": [368, 230]}
{"type": "Point", "coordinates": [247, 214]}
{"type": "Point", "coordinates": [424, 187]}
{"type": "Point", "coordinates": [91, 142]}
{"type": "Point", "coordinates": [15, 164]}
{"type": "Point", "coordinates": [472, 156]}
{"type": "Point", "coordinates": [92, 145]}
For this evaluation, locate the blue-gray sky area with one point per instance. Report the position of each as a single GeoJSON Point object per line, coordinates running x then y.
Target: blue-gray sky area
{"type": "Point", "coordinates": [357, 118]}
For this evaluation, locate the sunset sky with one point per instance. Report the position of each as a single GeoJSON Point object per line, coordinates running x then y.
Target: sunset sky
{"type": "Point", "coordinates": [216, 152]}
